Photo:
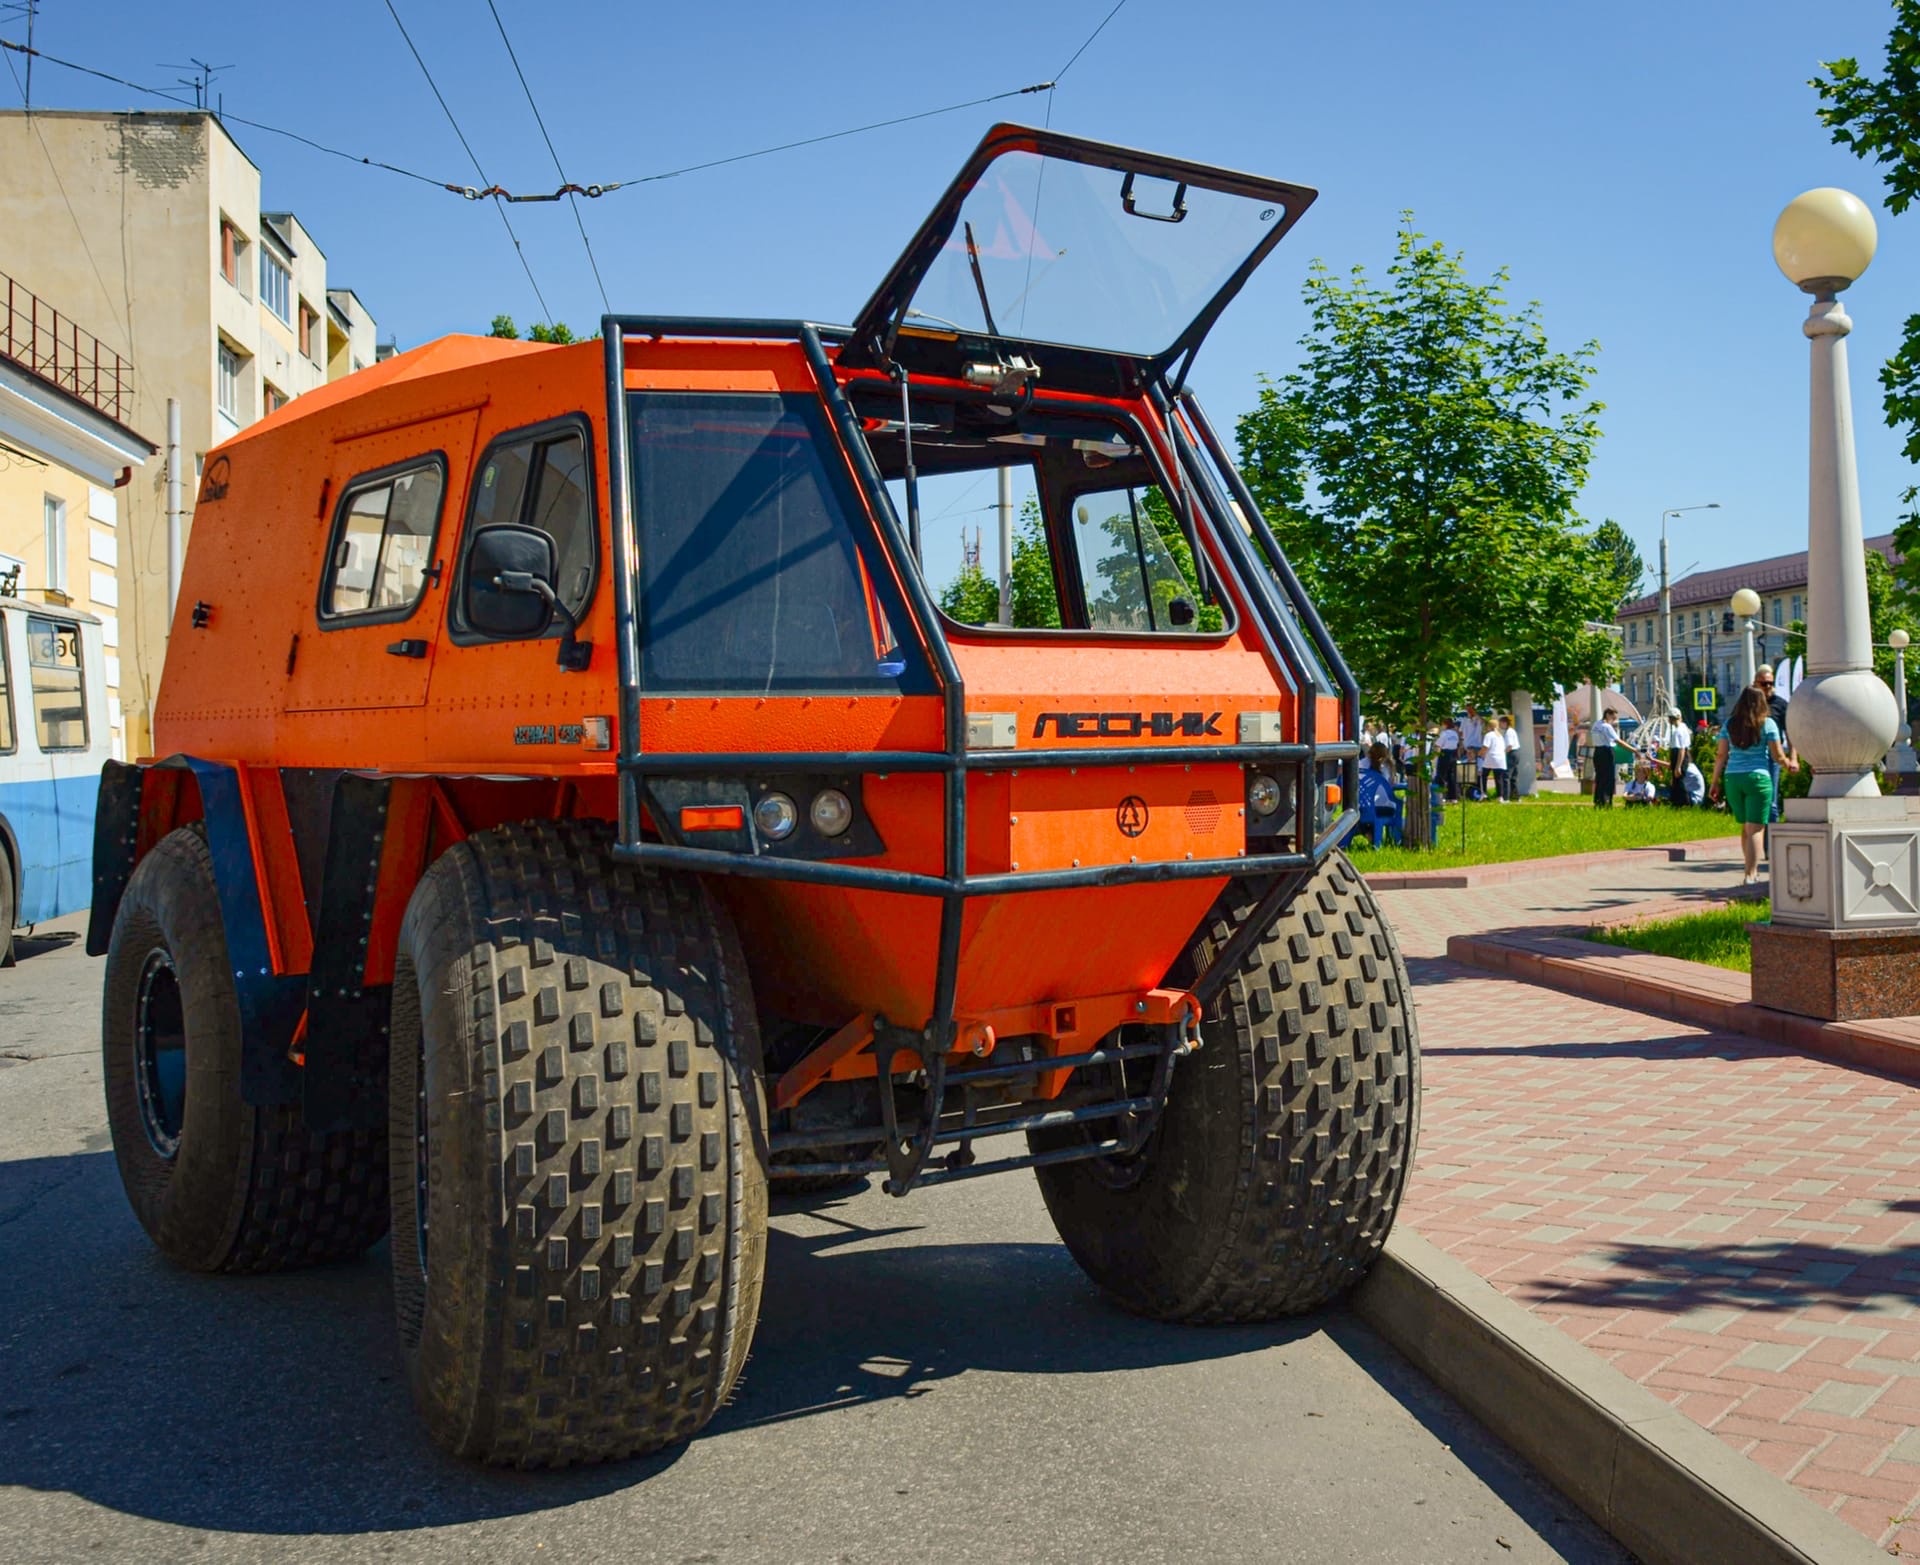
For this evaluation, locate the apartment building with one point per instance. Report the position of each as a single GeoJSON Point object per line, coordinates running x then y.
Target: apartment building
{"type": "Point", "coordinates": [150, 227]}
{"type": "Point", "coordinates": [1704, 653]}
{"type": "Point", "coordinates": [67, 457]}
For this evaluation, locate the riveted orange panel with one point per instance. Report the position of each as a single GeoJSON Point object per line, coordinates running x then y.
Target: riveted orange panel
{"type": "Point", "coordinates": [1125, 815]}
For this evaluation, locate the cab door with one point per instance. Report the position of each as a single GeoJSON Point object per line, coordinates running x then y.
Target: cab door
{"type": "Point", "coordinates": [370, 637]}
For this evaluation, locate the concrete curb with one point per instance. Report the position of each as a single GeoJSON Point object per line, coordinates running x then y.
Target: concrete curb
{"type": "Point", "coordinates": [1668, 1489]}
{"type": "Point", "coordinates": [1471, 875]}
{"type": "Point", "coordinates": [1710, 997]}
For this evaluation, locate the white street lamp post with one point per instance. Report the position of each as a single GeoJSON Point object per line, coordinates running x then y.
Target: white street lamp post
{"type": "Point", "coordinates": [1901, 760]}
{"type": "Point", "coordinates": [1746, 604]}
{"type": "Point", "coordinates": [1845, 861]}
{"type": "Point", "coordinates": [1666, 597]}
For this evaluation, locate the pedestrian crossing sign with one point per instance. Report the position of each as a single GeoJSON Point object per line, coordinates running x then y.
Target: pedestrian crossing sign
{"type": "Point", "coordinates": [1705, 700]}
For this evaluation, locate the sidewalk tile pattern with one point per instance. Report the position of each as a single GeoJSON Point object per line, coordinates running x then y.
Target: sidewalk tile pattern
{"type": "Point", "coordinates": [1734, 1226]}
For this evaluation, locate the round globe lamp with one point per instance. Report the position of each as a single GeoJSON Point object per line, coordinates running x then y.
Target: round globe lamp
{"type": "Point", "coordinates": [1746, 603]}
{"type": "Point", "coordinates": [1824, 240]}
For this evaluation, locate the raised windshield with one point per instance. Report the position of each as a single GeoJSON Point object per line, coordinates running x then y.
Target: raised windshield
{"type": "Point", "coordinates": [1048, 240]}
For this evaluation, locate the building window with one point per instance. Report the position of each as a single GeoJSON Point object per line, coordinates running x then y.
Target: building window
{"type": "Point", "coordinates": [231, 245]}
{"type": "Point", "coordinates": [1796, 605]}
{"type": "Point", "coordinates": [228, 390]}
{"type": "Point", "coordinates": [272, 398]}
{"type": "Point", "coordinates": [1633, 634]}
{"type": "Point", "coordinates": [309, 318]}
{"type": "Point", "coordinates": [276, 285]}
{"type": "Point", "coordinates": [54, 512]}
{"type": "Point", "coordinates": [53, 674]}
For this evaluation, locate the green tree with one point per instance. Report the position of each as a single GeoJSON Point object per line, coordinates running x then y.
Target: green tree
{"type": "Point", "coordinates": [1889, 608]}
{"type": "Point", "coordinates": [1878, 120]}
{"type": "Point", "coordinates": [539, 331]}
{"type": "Point", "coordinates": [971, 597]}
{"type": "Point", "coordinates": [1617, 553]}
{"type": "Point", "coordinates": [1036, 604]}
{"type": "Point", "coordinates": [1420, 469]}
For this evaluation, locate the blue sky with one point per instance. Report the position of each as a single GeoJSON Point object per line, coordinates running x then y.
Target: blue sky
{"type": "Point", "coordinates": [1625, 162]}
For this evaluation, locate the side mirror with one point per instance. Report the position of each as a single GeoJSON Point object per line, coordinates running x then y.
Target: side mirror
{"type": "Point", "coordinates": [506, 569]}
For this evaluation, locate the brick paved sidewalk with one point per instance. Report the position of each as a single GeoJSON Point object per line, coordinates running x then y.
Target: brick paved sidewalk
{"type": "Point", "coordinates": [1735, 1226]}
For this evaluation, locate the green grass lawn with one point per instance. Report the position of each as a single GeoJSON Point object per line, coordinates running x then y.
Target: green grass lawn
{"type": "Point", "coordinates": [1718, 935]}
{"type": "Point", "coordinates": [1546, 826]}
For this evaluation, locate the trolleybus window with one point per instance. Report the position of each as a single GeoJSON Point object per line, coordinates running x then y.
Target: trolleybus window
{"type": "Point", "coordinates": [53, 673]}
{"type": "Point", "coordinates": [7, 741]}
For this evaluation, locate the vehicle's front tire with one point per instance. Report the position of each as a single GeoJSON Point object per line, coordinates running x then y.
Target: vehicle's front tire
{"type": "Point", "coordinates": [220, 1185]}
{"type": "Point", "coordinates": [578, 1151]}
{"type": "Point", "coordinates": [1273, 1177]}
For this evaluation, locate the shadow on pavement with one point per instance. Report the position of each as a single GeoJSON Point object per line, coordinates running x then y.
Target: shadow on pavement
{"type": "Point", "coordinates": [1681, 1046]}
{"type": "Point", "coordinates": [278, 1405]}
{"type": "Point", "coordinates": [44, 943]}
{"type": "Point", "coordinates": [1768, 1275]}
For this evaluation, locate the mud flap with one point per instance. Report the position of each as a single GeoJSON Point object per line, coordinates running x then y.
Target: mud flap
{"type": "Point", "coordinates": [345, 1080]}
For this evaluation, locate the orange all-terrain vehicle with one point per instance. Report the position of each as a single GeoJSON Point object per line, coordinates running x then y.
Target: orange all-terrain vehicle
{"type": "Point", "coordinates": [578, 816]}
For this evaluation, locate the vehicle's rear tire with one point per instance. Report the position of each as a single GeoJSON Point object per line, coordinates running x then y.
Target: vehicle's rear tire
{"type": "Point", "coordinates": [577, 1113]}
{"type": "Point", "coordinates": [9, 909]}
{"type": "Point", "coordinates": [219, 1184]}
{"type": "Point", "coordinates": [1272, 1180]}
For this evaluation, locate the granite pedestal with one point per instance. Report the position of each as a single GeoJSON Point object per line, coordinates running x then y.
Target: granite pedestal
{"type": "Point", "coordinates": [1838, 975]}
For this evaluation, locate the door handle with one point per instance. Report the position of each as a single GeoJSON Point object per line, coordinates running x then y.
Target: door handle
{"type": "Point", "coordinates": [407, 649]}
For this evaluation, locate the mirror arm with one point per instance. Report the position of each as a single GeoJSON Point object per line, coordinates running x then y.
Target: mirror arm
{"type": "Point", "coordinates": [575, 654]}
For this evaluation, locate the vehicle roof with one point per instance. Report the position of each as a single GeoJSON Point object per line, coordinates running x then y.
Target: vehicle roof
{"type": "Point", "coordinates": [443, 356]}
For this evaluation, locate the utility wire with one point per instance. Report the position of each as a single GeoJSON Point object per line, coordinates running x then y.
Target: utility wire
{"type": "Point", "coordinates": [33, 54]}
{"type": "Point", "coordinates": [836, 135]}
{"type": "Point", "coordinates": [506, 222]}
{"type": "Point", "coordinates": [1089, 43]}
{"type": "Point", "coordinates": [572, 199]}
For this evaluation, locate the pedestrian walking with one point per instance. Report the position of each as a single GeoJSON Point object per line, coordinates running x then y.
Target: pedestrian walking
{"type": "Point", "coordinates": [1473, 735]}
{"type": "Point", "coordinates": [1600, 742]}
{"type": "Point", "coordinates": [1777, 710]}
{"type": "Point", "coordinates": [1510, 737]}
{"type": "Point", "coordinates": [1740, 768]}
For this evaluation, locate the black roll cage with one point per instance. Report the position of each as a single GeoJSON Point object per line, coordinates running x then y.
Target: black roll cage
{"type": "Point", "coordinates": [1280, 608]}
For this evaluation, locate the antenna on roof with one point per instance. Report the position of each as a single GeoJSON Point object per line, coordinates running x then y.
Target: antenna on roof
{"type": "Point", "coordinates": [201, 81]}
{"type": "Point", "coordinates": [29, 9]}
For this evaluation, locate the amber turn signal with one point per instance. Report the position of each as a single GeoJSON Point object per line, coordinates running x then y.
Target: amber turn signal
{"type": "Point", "coordinates": [713, 817]}
{"type": "Point", "coordinates": [1333, 796]}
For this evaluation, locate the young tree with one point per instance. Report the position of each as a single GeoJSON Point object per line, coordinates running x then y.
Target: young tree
{"type": "Point", "coordinates": [1618, 553]}
{"type": "Point", "coordinates": [970, 597]}
{"type": "Point", "coordinates": [1036, 605]}
{"type": "Point", "coordinates": [1420, 469]}
{"type": "Point", "coordinates": [539, 331]}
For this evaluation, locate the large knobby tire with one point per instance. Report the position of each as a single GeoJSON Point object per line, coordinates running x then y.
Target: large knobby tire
{"type": "Point", "coordinates": [219, 1184]}
{"type": "Point", "coordinates": [577, 1110]}
{"type": "Point", "coordinates": [1273, 1177]}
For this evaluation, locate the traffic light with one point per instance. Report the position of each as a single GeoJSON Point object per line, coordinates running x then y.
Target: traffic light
{"type": "Point", "coordinates": [1726, 623]}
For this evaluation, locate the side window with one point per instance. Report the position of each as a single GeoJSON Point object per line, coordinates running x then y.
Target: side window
{"type": "Point", "coordinates": [1127, 568]}
{"type": "Point", "coordinates": [53, 674]}
{"type": "Point", "coordinates": [7, 741]}
{"type": "Point", "coordinates": [757, 569]}
{"type": "Point", "coordinates": [541, 479]}
{"type": "Point", "coordinates": [383, 543]}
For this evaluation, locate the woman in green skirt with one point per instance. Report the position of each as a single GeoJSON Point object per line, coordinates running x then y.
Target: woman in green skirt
{"type": "Point", "coordinates": [1750, 742]}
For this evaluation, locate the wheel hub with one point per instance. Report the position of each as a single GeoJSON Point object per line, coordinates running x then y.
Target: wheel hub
{"type": "Point", "coordinates": [160, 1055]}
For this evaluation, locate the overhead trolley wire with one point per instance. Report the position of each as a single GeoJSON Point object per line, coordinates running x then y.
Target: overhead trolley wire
{"type": "Point", "coordinates": [237, 119]}
{"type": "Point", "coordinates": [506, 222]}
{"type": "Point", "coordinates": [566, 185]}
{"type": "Point", "coordinates": [1089, 43]}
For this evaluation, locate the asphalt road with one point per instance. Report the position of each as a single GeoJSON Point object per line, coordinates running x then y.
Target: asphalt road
{"type": "Point", "coordinates": [933, 1379]}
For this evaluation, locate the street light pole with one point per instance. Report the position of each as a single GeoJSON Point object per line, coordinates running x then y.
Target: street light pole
{"type": "Point", "coordinates": [1901, 761]}
{"type": "Point", "coordinates": [1746, 604]}
{"type": "Point", "coordinates": [1666, 597]}
{"type": "Point", "coordinates": [1845, 861]}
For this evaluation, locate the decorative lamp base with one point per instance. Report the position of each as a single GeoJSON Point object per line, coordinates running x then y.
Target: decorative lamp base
{"type": "Point", "coordinates": [1837, 975]}
{"type": "Point", "coordinates": [1846, 864]}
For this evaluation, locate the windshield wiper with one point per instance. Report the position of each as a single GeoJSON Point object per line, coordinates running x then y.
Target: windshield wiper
{"type": "Point", "coordinates": [979, 282]}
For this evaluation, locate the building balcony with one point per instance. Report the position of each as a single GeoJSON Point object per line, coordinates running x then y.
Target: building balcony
{"type": "Point", "coordinates": [51, 347]}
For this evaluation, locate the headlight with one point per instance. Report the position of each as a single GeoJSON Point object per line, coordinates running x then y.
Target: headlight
{"type": "Point", "coordinates": [831, 813]}
{"type": "Point", "coordinates": [1263, 793]}
{"type": "Point", "coordinates": [775, 815]}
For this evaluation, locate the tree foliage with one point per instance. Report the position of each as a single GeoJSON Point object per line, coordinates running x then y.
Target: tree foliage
{"type": "Point", "coordinates": [971, 597]}
{"type": "Point", "coordinates": [1618, 553]}
{"type": "Point", "coordinates": [539, 331]}
{"type": "Point", "coordinates": [1420, 468]}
